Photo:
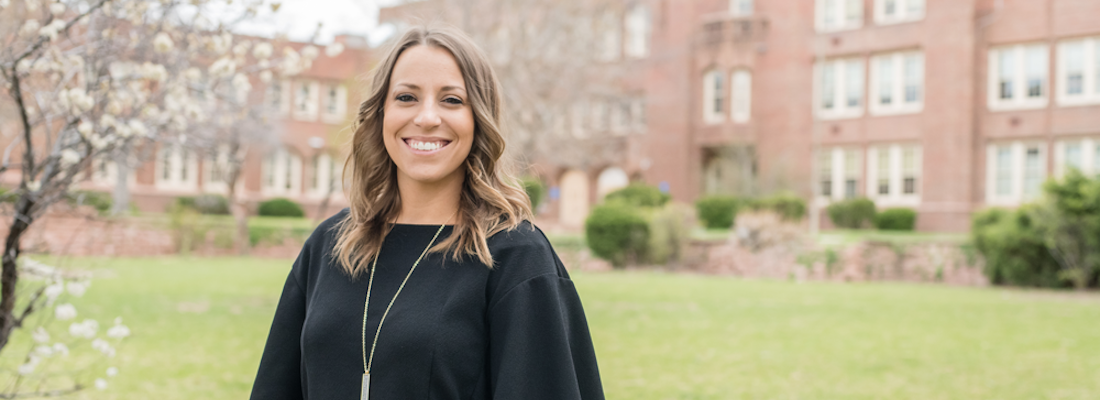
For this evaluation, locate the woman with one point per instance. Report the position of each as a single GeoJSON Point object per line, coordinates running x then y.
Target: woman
{"type": "Point", "coordinates": [433, 284]}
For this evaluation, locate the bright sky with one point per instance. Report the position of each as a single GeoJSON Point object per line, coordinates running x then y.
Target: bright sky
{"type": "Point", "coordinates": [299, 18]}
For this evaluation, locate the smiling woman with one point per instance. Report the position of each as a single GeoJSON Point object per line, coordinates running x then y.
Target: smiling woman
{"type": "Point", "coordinates": [490, 314]}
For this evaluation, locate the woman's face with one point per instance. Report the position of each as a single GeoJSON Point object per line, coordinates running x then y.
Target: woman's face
{"type": "Point", "coordinates": [428, 124]}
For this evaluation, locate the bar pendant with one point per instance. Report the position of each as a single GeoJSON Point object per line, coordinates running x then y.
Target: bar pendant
{"type": "Point", "coordinates": [366, 387]}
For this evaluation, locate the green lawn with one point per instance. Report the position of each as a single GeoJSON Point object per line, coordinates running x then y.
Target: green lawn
{"type": "Point", "coordinates": [199, 326]}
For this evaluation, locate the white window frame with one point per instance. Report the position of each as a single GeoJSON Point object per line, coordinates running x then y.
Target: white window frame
{"type": "Point", "coordinates": [906, 11]}
{"type": "Point", "coordinates": [1090, 156]}
{"type": "Point", "coordinates": [183, 169]}
{"type": "Point", "coordinates": [639, 26]}
{"type": "Point", "coordinates": [714, 97]}
{"type": "Point", "coordinates": [741, 96]}
{"type": "Point", "coordinates": [274, 173]}
{"type": "Point", "coordinates": [1020, 99]}
{"type": "Point", "coordinates": [839, 13]}
{"type": "Point", "coordinates": [321, 174]}
{"type": "Point", "coordinates": [211, 185]}
{"type": "Point", "coordinates": [1018, 153]}
{"type": "Point", "coordinates": [741, 8]}
{"type": "Point", "coordinates": [610, 37]}
{"type": "Point", "coordinates": [898, 79]}
{"type": "Point", "coordinates": [339, 115]}
{"type": "Point", "coordinates": [839, 174]}
{"type": "Point", "coordinates": [306, 107]}
{"type": "Point", "coordinates": [841, 78]}
{"type": "Point", "coordinates": [1090, 94]}
{"type": "Point", "coordinates": [283, 107]}
{"type": "Point", "coordinates": [895, 195]}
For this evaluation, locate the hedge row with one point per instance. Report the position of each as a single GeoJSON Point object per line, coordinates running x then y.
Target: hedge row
{"type": "Point", "coordinates": [718, 211]}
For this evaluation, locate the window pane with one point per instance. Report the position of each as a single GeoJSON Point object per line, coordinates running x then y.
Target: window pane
{"type": "Point", "coordinates": [883, 171]}
{"type": "Point", "coordinates": [1005, 70]}
{"type": "Point", "coordinates": [1073, 155]}
{"type": "Point", "coordinates": [828, 85]}
{"type": "Point", "coordinates": [854, 83]}
{"type": "Point", "coordinates": [909, 169]}
{"type": "Point", "coordinates": [183, 165]}
{"type": "Point", "coordinates": [885, 80]}
{"type": "Point", "coordinates": [853, 12]}
{"type": "Point", "coordinates": [1075, 68]}
{"type": "Point", "coordinates": [742, 95]}
{"type": "Point", "coordinates": [1036, 71]}
{"type": "Point", "coordinates": [1004, 171]}
{"type": "Point", "coordinates": [915, 7]}
{"type": "Point", "coordinates": [717, 108]}
{"type": "Point", "coordinates": [825, 171]}
{"type": "Point", "coordinates": [890, 7]}
{"type": "Point", "coordinates": [166, 164]}
{"type": "Point", "coordinates": [913, 78]}
{"type": "Point", "coordinates": [1033, 172]}
{"type": "Point", "coordinates": [829, 9]}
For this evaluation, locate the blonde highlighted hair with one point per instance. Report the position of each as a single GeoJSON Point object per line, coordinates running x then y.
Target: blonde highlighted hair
{"type": "Point", "coordinates": [491, 200]}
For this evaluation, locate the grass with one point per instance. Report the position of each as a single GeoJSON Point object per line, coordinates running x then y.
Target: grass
{"type": "Point", "coordinates": [199, 327]}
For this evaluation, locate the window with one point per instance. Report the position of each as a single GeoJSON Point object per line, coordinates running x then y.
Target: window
{"type": "Point", "coordinates": [638, 27]}
{"type": "Point", "coordinates": [851, 173]}
{"type": "Point", "coordinates": [836, 15]}
{"type": "Point", "coordinates": [1015, 172]}
{"type": "Point", "coordinates": [896, 174]}
{"type": "Point", "coordinates": [620, 117]}
{"type": "Point", "coordinates": [277, 97]}
{"type": "Point", "coordinates": [176, 168]}
{"type": "Point", "coordinates": [840, 88]}
{"type": "Point", "coordinates": [1079, 71]}
{"type": "Point", "coordinates": [1082, 154]}
{"type": "Point", "coordinates": [741, 8]}
{"type": "Point", "coordinates": [1018, 77]}
{"type": "Point", "coordinates": [825, 173]}
{"type": "Point", "coordinates": [610, 37]}
{"type": "Point", "coordinates": [324, 173]}
{"type": "Point", "coordinates": [742, 96]}
{"type": "Point", "coordinates": [282, 172]}
{"type": "Point", "coordinates": [898, 83]}
{"type": "Point", "coordinates": [713, 97]}
{"type": "Point", "coordinates": [895, 11]}
{"type": "Point", "coordinates": [306, 99]}
{"type": "Point", "coordinates": [336, 104]}
{"type": "Point", "coordinates": [840, 170]}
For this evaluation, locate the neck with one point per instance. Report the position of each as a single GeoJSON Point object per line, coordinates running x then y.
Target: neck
{"type": "Point", "coordinates": [432, 203]}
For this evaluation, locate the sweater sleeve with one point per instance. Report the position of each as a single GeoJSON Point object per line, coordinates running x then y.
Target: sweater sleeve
{"type": "Point", "coordinates": [280, 376]}
{"type": "Point", "coordinates": [540, 347]}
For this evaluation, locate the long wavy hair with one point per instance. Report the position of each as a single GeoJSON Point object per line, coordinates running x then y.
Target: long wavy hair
{"type": "Point", "coordinates": [491, 199]}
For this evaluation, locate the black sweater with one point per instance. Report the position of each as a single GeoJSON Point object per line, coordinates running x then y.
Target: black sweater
{"type": "Point", "coordinates": [459, 330]}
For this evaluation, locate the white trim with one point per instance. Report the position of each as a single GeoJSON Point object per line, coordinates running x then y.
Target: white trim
{"type": "Point", "coordinates": [1017, 153]}
{"type": "Point", "coordinates": [284, 87]}
{"type": "Point", "coordinates": [182, 168]}
{"type": "Point", "coordinates": [895, 196]}
{"type": "Point", "coordinates": [1089, 156]}
{"type": "Point", "coordinates": [321, 174]}
{"type": "Point", "coordinates": [898, 76]}
{"type": "Point", "coordinates": [610, 37]}
{"type": "Point", "coordinates": [276, 168]}
{"type": "Point", "coordinates": [1019, 75]}
{"type": "Point", "coordinates": [714, 94]}
{"type": "Point", "coordinates": [841, 19]}
{"type": "Point", "coordinates": [340, 113]}
{"type": "Point", "coordinates": [839, 174]}
{"type": "Point", "coordinates": [741, 8]}
{"type": "Point", "coordinates": [841, 68]}
{"type": "Point", "coordinates": [638, 27]}
{"type": "Point", "coordinates": [1090, 66]}
{"type": "Point", "coordinates": [904, 11]}
{"type": "Point", "coordinates": [741, 96]}
{"type": "Point", "coordinates": [306, 107]}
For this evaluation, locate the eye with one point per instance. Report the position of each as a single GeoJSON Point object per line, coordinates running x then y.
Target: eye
{"type": "Point", "coordinates": [453, 100]}
{"type": "Point", "coordinates": [405, 98]}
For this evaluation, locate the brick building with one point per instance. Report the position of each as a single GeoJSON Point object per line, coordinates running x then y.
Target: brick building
{"type": "Point", "coordinates": [944, 106]}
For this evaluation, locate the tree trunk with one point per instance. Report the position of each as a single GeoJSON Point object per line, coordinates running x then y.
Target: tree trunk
{"type": "Point", "coordinates": [121, 196]}
{"type": "Point", "coordinates": [9, 277]}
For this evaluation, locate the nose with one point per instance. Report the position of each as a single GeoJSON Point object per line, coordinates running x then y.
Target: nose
{"type": "Point", "coordinates": [428, 117]}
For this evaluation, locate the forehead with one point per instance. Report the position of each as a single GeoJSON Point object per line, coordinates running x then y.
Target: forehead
{"type": "Point", "coordinates": [427, 66]}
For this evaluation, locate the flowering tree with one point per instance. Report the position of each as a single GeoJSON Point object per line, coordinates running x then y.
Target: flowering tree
{"type": "Point", "coordinates": [86, 81]}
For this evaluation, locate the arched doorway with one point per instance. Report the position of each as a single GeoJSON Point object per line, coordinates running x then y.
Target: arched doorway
{"type": "Point", "coordinates": [610, 180]}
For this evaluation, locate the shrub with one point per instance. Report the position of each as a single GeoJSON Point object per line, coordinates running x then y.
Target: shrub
{"type": "Point", "coordinates": [1014, 249]}
{"type": "Point", "coordinates": [101, 201]}
{"type": "Point", "coordinates": [853, 213]}
{"type": "Point", "coordinates": [717, 211]}
{"type": "Point", "coordinates": [535, 191]}
{"type": "Point", "coordinates": [617, 232]}
{"type": "Point", "coordinates": [281, 207]}
{"type": "Point", "coordinates": [669, 230]}
{"type": "Point", "coordinates": [788, 206]}
{"type": "Point", "coordinates": [640, 194]}
{"type": "Point", "coordinates": [209, 204]}
{"type": "Point", "coordinates": [896, 219]}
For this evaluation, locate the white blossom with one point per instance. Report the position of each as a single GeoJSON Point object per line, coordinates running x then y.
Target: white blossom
{"type": "Point", "coordinates": [5, 3]}
{"type": "Point", "coordinates": [334, 49]}
{"type": "Point", "coordinates": [28, 368]}
{"type": "Point", "coordinates": [98, 142]}
{"type": "Point", "coordinates": [162, 43]}
{"type": "Point", "coordinates": [44, 351]}
{"type": "Point", "coordinates": [101, 384]}
{"type": "Point", "coordinates": [65, 312]}
{"type": "Point", "coordinates": [60, 348]}
{"type": "Point", "coordinates": [265, 76]}
{"type": "Point", "coordinates": [34, 186]}
{"type": "Point", "coordinates": [310, 52]}
{"type": "Point", "coordinates": [107, 121]}
{"type": "Point", "coordinates": [241, 48]}
{"type": "Point", "coordinates": [51, 31]}
{"type": "Point", "coordinates": [262, 50]}
{"type": "Point", "coordinates": [30, 28]}
{"type": "Point", "coordinates": [119, 331]}
{"type": "Point", "coordinates": [292, 62]}
{"type": "Point", "coordinates": [112, 371]}
{"type": "Point", "coordinates": [40, 335]}
{"type": "Point", "coordinates": [114, 107]}
{"type": "Point", "coordinates": [86, 329]}
{"type": "Point", "coordinates": [85, 128]}
{"type": "Point", "coordinates": [77, 288]}
{"type": "Point", "coordinates": [79, 100]}
{"type": "Point", "coordinates": [54, 290]}
{"type": "Point", "coordinates": [192, 74]}
{"type": "Point", "coordinates": [70, 157]}
{"type": "Point", "coordinates": [32, 5]}
{"type": "Point", "coordinates": [223, 67]}
{"type": "Point", "coordinates": [137, 128]}
{"type": "Point", "coordinates": [57, 9]}
{"type": "Point", "coordinates": [102, 346]}
{"type": "Point", "coordinates": [154, 72]}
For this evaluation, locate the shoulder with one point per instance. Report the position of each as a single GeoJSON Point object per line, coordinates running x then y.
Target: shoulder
{"type": "Point", "coordinates": [317, 248]}
{"type": "Point", "coordinates": [521, 254]}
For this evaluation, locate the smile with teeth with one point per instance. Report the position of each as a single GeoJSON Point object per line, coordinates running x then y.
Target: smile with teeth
{"type": "Point", "coordinates": [426, 146]}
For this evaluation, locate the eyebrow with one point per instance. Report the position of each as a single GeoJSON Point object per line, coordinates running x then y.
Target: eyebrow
{"type": "Point", "coordinates": [445, 88]}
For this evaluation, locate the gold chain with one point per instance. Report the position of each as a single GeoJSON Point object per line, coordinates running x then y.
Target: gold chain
{"type": "Point", "coordinates": [367, 361]}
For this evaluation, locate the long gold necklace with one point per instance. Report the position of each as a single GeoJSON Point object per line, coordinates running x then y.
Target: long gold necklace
{"type": "Point", "coordinates": [364, 394]}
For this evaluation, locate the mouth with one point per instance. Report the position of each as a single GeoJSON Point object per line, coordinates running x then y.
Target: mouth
{"type": "Point", "coordinates": [426, 145]}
